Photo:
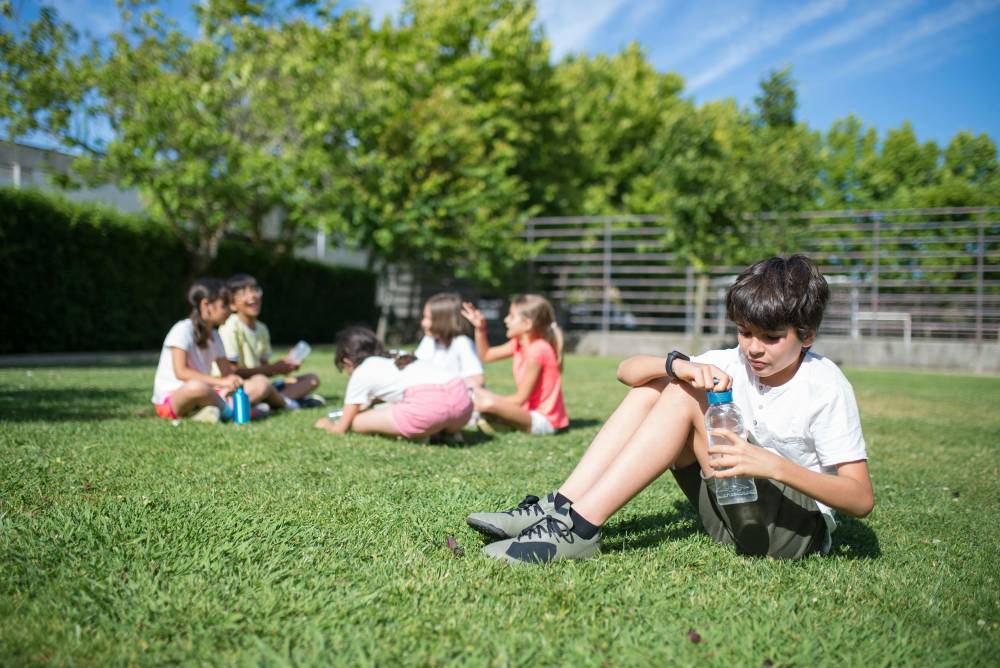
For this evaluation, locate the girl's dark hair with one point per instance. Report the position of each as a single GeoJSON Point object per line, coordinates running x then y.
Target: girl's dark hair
{"type": "Point", "coordinates": [777, 293]}
{"type": "Point", "coordinates": [356, 344]}
{"type": "Point", "coordinates": [237, 282]}
{"type": "Point", "coordinates": [447, 322]}
{"type": "Point", "coordinates": [210, 289]}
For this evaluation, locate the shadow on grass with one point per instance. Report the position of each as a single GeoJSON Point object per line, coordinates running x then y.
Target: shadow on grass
{"type": "Point", "coordinates": [577, 424]}
{"type": "Point", "coordinates": [650, 530]}
{"type": "Point", "coordinates": [63, 405]}
{"type": "Point", "coordinates": [854, 539]}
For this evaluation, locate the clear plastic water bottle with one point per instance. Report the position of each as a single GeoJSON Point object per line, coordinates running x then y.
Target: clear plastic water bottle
{"type": "Point", "coordinates": [241, 406]}
{"type": "Point", "coordinates": [722, 413]}
{"type": "Point", "coordinates": [298, 353]}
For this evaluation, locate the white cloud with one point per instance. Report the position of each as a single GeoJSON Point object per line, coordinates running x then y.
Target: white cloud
{"type": "Point", "coordinates": [851, 30]}
{"type": "Point", "coordinates": [570, 24]}
{"type": "Point", "coordinates": [719, 28]}
{"type": "Point", "coordinates": [94, 16]}
{"type": "Point", "coordinates": [930, 25]}
{"type": "Point", "coordinates": [755, 42]}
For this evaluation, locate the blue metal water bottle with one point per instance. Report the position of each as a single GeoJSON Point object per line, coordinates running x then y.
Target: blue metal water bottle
{"type": "Point", "coordinates": [241, 407]}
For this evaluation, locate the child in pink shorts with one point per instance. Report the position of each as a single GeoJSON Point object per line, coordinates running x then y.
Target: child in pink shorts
{"type": "Point", "coordinates": [421, 399]}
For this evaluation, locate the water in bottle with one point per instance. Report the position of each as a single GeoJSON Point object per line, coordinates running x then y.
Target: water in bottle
{"type": "Point", "coordinates": [241, 406]}
{"type": "Point", "coordinates": [299, 352]}
{"type": "Point", "coordinates": [722, 413]}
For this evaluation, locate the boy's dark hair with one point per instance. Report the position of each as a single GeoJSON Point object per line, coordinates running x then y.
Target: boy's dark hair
{"type": "Point", "coordinates": [447, 322]}
{"type": "Point", "coordinates": [779, 292]}
{"type": "Point", "coordinates": [204, 288]}
{"type": "Point", "coordinates": [358, 343]}
{"type": "Point", "coordinates": [238, 282]}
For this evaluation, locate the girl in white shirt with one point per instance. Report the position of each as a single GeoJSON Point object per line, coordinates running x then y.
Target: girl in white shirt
{"type": "Point", "coordinates": [425, 399]}
{"type": "Point", "coordinates": [184, 383]}
{"type": "Point", "coordinates": [446, 343]}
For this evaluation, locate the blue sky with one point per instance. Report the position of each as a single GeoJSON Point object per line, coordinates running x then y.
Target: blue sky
{"type": "Point", "coordinates": [935, 63]}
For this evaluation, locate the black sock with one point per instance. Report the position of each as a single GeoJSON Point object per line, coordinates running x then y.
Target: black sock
{"type": "Point", "coordinates": [561, 500]}
{"type": "Point", "coordinates": [581, 527]}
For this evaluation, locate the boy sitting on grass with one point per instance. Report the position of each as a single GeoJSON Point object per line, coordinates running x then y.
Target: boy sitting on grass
{"type": "Point", "coordinates": [248, 345]}
{"type": "Point", "coordinates": [798, 407]}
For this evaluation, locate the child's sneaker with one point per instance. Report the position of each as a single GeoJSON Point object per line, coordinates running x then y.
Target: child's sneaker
{"type": "Point", "coordinates": [291, 404]}
{"type": "Point", "coordinates": [207, 414]}
{"type": "Point", "coordinates": [549, 539]}
{"type": "Point", "coordinates": [260, 411]}
{"type": "Point", "coordinates": [312, 401]}
{"type": "Point", "coordinates": [512, 522]}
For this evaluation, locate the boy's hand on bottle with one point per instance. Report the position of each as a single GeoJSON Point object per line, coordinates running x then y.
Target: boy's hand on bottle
{"type": "Point", "coordinates": [473, 315]}
{"type": "Point", "coordinates": [286, 366]}
{"type": "Point", "coordinates": [740, 458]}
{"type": "Point", "coordinates": [703, 376]}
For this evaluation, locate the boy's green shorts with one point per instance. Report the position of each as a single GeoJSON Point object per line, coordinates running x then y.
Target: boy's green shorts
{"type": "Point", "coordinates": [782, 523]}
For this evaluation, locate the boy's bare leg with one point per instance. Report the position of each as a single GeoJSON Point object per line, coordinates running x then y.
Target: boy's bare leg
{"type": "Point", "coordinates": [299, 386]}
{"type": "Point", "coordinates": [672, 433]}
{"type": "Point", "coordinates": [612, 437]}
{"type": "Point", "coordinates": [493, 404]}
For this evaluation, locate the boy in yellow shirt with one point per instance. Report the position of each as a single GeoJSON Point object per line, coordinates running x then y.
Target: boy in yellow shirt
{"type": "Point", "coordinates": [248, 345]}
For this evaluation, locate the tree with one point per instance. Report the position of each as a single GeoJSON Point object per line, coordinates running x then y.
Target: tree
{"type": "Point", "coordinates": [617, 106]}
{"type": "Point", "coordinates": [777, 101]}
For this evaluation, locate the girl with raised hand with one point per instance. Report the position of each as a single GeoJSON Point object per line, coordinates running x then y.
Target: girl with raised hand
{"type": "Point", "coordinates": [445, 343]}
{"type": "Point", "coordinates": [535, 342]}
{"type": "Point", "coordinates": [424, 399]}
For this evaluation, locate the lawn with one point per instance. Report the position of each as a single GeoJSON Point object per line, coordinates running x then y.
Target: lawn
{"type": "Point", "coordinates": [125, 540]}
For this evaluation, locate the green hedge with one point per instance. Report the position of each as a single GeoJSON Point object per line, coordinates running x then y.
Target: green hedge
{"type": "Point", "coordinates": [78, 277]}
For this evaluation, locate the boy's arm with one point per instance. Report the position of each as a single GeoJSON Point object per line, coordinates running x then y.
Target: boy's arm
{"type": "Point", "coordinates": [848, 491]}
{"type": "Point", "coordinates": [641, 369]}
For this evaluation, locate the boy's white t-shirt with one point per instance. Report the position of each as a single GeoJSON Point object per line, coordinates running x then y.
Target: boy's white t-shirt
{"type": "Point", "coordinates": [811, 420]}
{"type": "Point", "coordinates": [459, 358]}
{"type": "Point", "coordinates": [181, 335]}
{"type": "Point", "coordinates": [379, 378]}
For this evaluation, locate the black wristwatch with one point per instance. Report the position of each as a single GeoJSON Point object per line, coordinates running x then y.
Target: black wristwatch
{"type": "Point", "coordinates": [674, 355]}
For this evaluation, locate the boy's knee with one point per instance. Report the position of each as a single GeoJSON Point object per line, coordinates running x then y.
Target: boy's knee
{"type": "Point", "coordinates": [312, 381]}
{"type": "Point", "coordinates": [257, 382]}
{"type": "Point", "coordinates": [750, 529]}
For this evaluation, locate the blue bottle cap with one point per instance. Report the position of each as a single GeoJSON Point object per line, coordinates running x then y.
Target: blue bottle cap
{"type": "Point", "coordinates": [724, 397]}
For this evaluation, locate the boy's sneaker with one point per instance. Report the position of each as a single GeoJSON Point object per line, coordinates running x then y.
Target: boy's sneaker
{"type": "Point", "coordinates": [260, 411]}
{"type": "Point", "coordinates": [207, 414]}
{"type": "Point", "coordinates": [312, 401]}
{"type": "Point", "coordinates": [549, 539]}
{"type": "Point", "coordinates": [512, 522]}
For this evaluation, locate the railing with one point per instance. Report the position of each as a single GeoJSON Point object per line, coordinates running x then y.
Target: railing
{"type": "Point", "coordinates": [921, 273]}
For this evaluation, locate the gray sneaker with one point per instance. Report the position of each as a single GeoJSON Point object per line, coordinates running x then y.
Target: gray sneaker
{"type": "Point", "coordinates": [549, 539]}
{"type": "Point", "coordinates": [512, 522]}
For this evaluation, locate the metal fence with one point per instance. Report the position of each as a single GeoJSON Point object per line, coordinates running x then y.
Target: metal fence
{"type": "Point", "coordinates": [911, 273]}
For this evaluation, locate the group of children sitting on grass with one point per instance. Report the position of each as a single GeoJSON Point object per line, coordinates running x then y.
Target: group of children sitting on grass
{"type": "Point", "coordinates": [804, 445]}
{"type": "Point", "coordinates": [438, 390]}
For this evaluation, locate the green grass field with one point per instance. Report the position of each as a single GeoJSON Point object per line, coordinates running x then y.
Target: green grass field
{"type": "Point", "coordinates": [125, 540]}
